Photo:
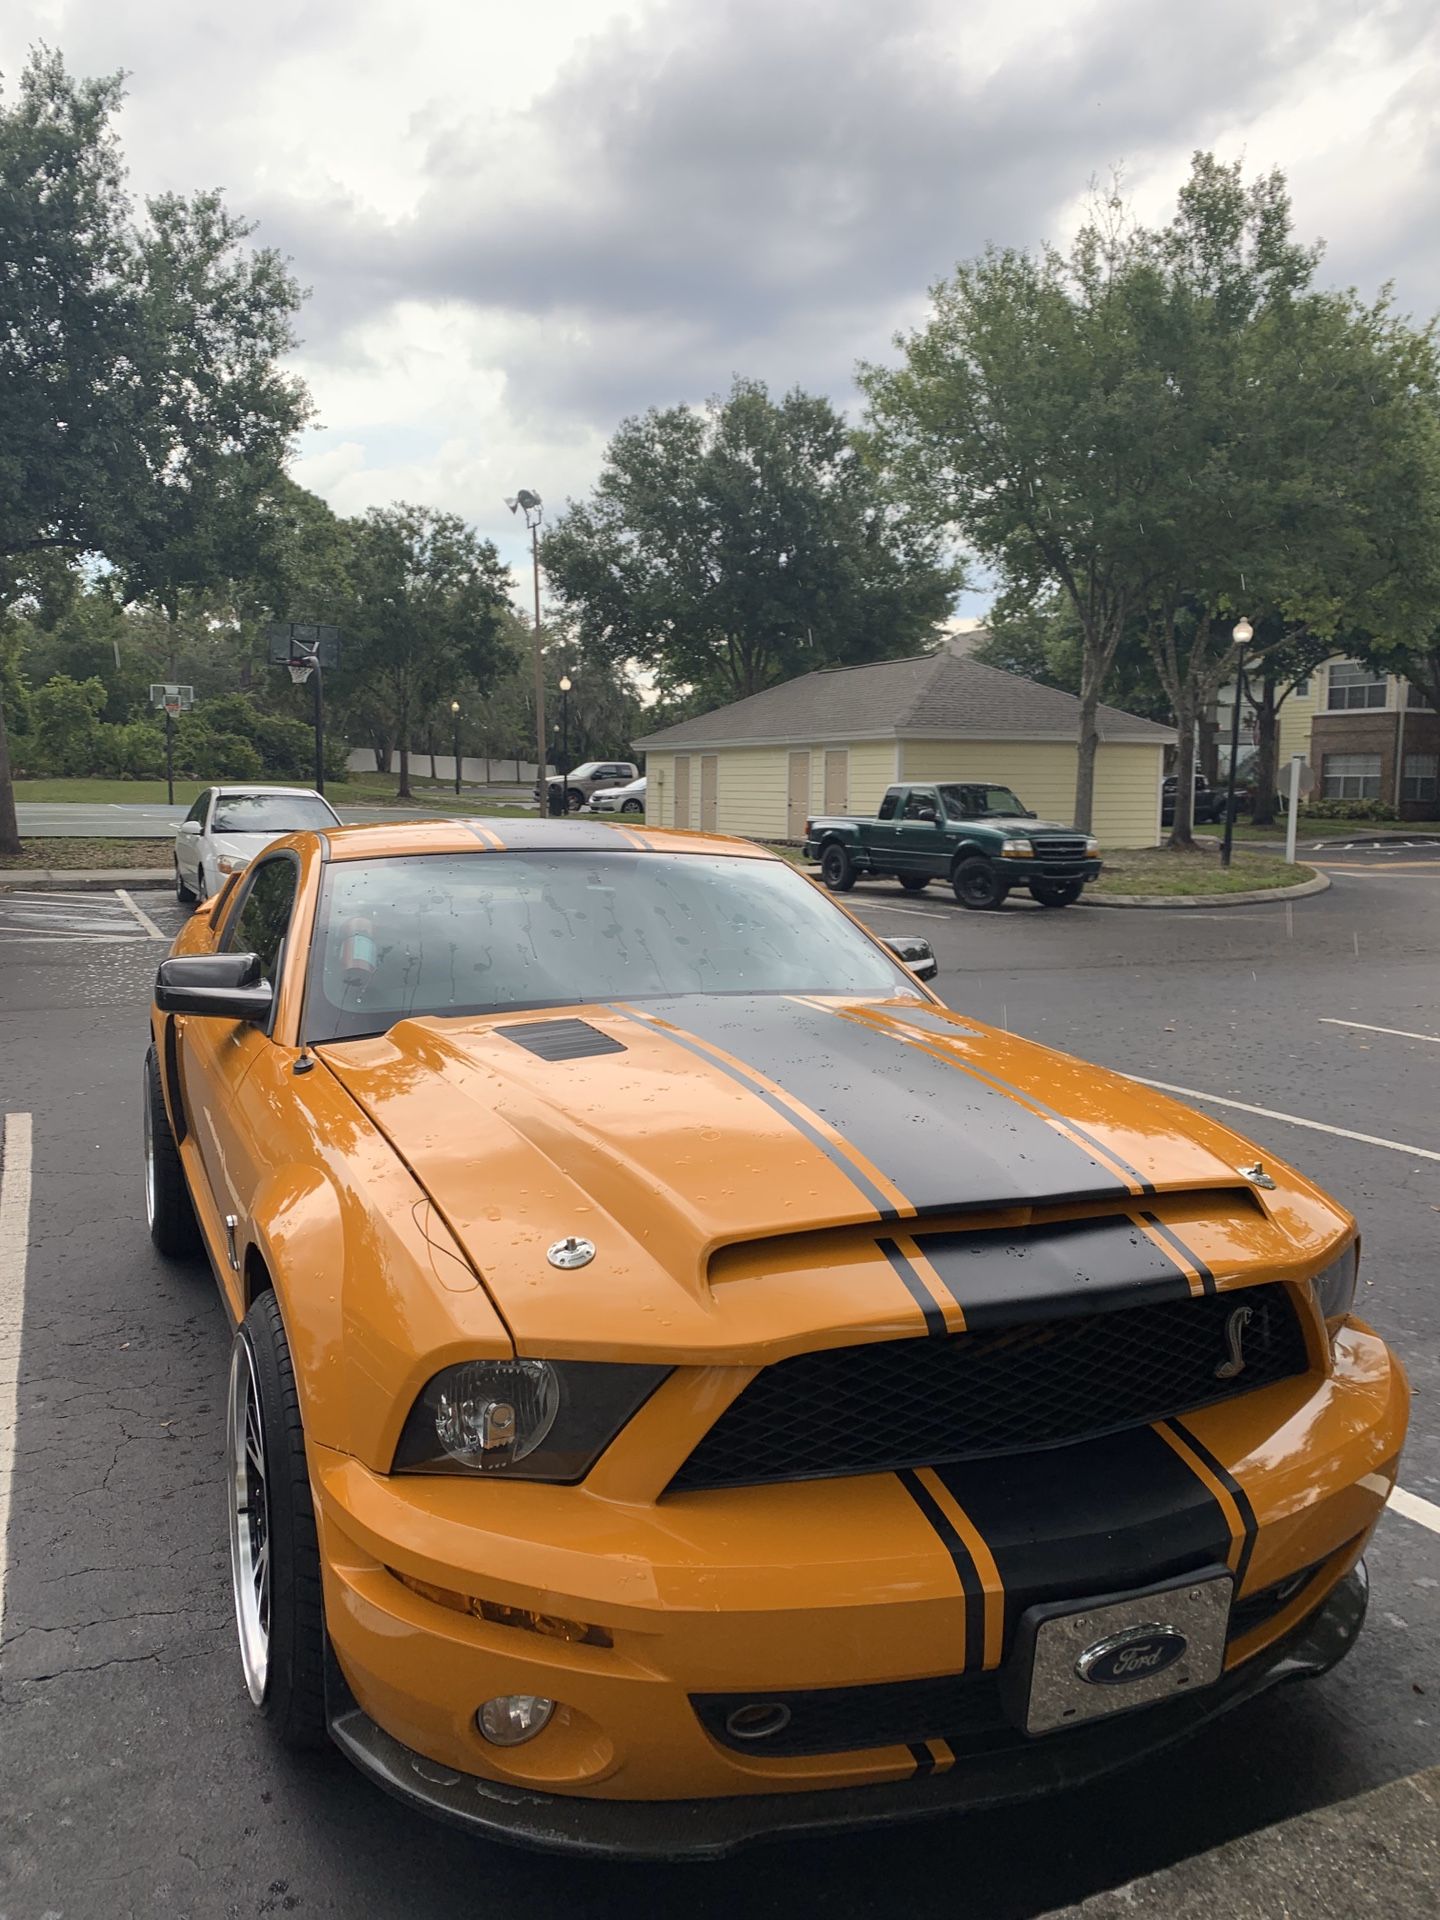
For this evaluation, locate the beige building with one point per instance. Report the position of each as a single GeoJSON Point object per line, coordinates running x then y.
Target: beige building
{"type": "Point", "coordinates": [832, 742]}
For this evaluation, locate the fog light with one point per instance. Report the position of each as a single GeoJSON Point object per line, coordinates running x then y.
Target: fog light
{"type": "Point", "coordinates": [512, 1718]}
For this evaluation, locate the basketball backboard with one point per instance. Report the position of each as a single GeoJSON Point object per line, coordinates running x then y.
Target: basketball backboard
{"type": "Point", "coordinates": [171, 698]}
{"type": "Point", "coordinates": [294, 639]}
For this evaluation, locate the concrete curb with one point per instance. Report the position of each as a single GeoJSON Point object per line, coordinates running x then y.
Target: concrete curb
{"type": "Point", "coordinates": [1376, 1855]}
{"type": "Point", "coordinates": [83, 879]}
{"type": "Point", "coordinates": [1259, 895]}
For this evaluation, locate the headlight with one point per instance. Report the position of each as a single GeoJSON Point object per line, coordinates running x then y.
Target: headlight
{"type": "Point", "coordinates": [232, 863]}
{"type": "Point", "coordinates": [1335, 1287]}
{"type": "Point", "coordinates": [1092, 846]}
{"type": "Point", "coordinates": [527, 1419]}
{"type": "Point", "coordinates": [1017, 849]}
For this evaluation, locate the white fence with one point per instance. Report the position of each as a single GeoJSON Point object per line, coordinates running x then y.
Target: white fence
{"type": "Point", "coordinates": [441, 766]}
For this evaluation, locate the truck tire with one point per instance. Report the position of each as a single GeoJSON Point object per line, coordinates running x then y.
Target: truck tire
{"type": "Point", "coordinates": [837, 869]}
{"type": "Point", "coordinates": [1056, 893]}
{"type": "Point", "coordinates": [574, 799]}
{"type": "Point", "coordinates": [913, 882]}
{"type": "Point", "coordinates": [977, 885]}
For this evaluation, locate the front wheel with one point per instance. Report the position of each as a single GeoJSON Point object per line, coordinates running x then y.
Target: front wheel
{"type": "Point", "coordinates": [837, 869]}
{"type": "Point", "coordinates": [913, 882]}
{"type": "Point", "coordinates": [169, 1214]}
{"type": "Point", "coordinates": [977, 885]}
{"type": "Point", "coordinates": [632, 806]}
{"type": "Point", "coordinates": [274, 1554]}
{"type": "Point", "coordinates": [1056, 893]}
{"type": "Point", "coordinates": [574, 799]}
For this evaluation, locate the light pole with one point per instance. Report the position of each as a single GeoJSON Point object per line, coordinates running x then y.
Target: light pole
{"type": "Point", "coordinates": [455, 729]}
{"type": "Point", "coordinates": [565, 735]}
{"type": "Point", "coordinates": [1242, 635]}
{"type": "Point", "coordinates": [529, 504]}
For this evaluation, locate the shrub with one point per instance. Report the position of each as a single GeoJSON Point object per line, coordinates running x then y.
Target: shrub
{"type": "Point", "coordinates": [1347, 810]}
{"type": "Point", "coordinates": [65, 725]}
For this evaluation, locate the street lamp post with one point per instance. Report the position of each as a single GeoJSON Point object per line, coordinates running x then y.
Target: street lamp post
{"type": "Point", "coordinates": [455, 729]}
{"type": "Point", "coordinates": [529, 504]}
{"type": "Point", "coordinates": [1242, 636]}
{"type": "Point", "coordinates": [565, 735]}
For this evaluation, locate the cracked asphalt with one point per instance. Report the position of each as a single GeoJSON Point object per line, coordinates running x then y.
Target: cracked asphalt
{"type": "Point", "coordinates": [134, 1778]}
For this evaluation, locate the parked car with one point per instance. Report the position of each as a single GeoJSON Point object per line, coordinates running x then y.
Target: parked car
{"type": "Point", "coordinates": [586, 779]}
{"type": "Point", "coordinates": [691, 1385]}
{"type": "Point", "coordinates": [1209, 801]}
{"type": "Point", "coordinates": [627, 799]}
{"type": "Point", "coordinates": [228, 826]}
{"type": "Point", "coordinates": [977, 836]}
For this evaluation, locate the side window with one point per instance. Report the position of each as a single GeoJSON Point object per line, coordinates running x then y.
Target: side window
{"type": "Point", "coordinates": [888, 805]}
{"type": "Point", "coordinates": [197, 812]}
{"type": "Point", "coordinates": [264, 914]}
{"type": "Point", "coordinates": [920, 800]}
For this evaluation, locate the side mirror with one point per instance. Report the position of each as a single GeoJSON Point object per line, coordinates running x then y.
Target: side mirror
{"type": "Point", "coordinates": [929, 813]}
{"type": "Point", "coordinates": [917, 955]}
{"type": "Point", "coordinates": [218, 986]}
{"type": "Point", "coordinates": [1030, 814]}
{"type": "Point", "coordinates": [188, 826]}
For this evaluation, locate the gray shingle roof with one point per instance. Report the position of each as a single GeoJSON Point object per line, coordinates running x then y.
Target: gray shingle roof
{"type": "Point", "coordinates": [931, 695]}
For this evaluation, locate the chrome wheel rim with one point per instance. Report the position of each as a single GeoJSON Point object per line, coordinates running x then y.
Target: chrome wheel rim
{"type": "Point", "coordinates": [249, 1490]}
{"type": "Point", "coordinates": [149, 1127]}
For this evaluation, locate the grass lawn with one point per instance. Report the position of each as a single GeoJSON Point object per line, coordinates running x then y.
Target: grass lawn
{"type": "Point", "coordinates": [1158, 871]}
{"type": "Point", "coordinates": [106, 792]}
{"type": "Point", "coordinates": [74, 855]}
{"type": "Point", "coordinates": [1330, 829]}
{"type": "Point", "coordinates": [361, 790]}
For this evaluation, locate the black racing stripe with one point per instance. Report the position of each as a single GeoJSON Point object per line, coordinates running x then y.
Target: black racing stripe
{"type": "Point", "coordinates": [924, 1019]}
{"type": "Point", "coordinates": [1172, 1239]}
{"type": "Point", "coordinates": [1237, 1493]}
{"type": "Point", "coordinates": [934, 1319]}
{"type": "Point", "coordinates": [924, 1761]}
{"type": "Point", "coordinates": [1103, 1517]}
{"type": "Point", "coordinates": [813, 1134]}
{"type": "Point", "coordinates": [1004, 1276]}
{"type": "Point", "coordinates": [948, 1141]}
{"type": "Point", "coordinates": [970, 1581]}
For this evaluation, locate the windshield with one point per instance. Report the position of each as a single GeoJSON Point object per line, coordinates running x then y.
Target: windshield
{"type": "Point", "coordinates": [974, 802]}
{"type": "Point", "coordinates": [270, 813]}
{"type": "Point", "coordinates": [470, 933]}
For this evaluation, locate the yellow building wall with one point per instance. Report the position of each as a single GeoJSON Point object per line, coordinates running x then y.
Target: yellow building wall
{"type": "Point", "coordinates": [1042, 774]}
{"type": "Point", "coordinates": [752, 784]}
{"type": "Point", "coordinates": [1295, 717]}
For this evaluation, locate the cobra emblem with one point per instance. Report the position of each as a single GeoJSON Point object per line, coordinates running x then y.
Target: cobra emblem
{"type": "Point", "coordinates": [1235, 1343]}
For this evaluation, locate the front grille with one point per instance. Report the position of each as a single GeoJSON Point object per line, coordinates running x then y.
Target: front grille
{"type": "Point", "coordinates": [924, 1403]}
{"type": "Point", "coordinates": [1055, 846]}
{"type": "Point", "coordinates": [1256, 1608]}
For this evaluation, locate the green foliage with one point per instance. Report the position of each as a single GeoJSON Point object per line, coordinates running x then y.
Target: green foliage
{"type": "Point", "coordinates": [135, 751]}
{"type": "Point", "coordinates": [65, 725]}
{"type": "Point", "coordinates": [734, 545]}
{"type": "Point", "coordinates": [1347, 810]}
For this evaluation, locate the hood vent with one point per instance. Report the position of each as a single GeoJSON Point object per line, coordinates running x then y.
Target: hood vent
{"type": "Point", "coordinates": [563, 1039]}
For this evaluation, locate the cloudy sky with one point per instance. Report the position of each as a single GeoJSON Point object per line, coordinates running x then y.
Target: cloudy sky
{"type": "Point", "coordinates": [520, 223]}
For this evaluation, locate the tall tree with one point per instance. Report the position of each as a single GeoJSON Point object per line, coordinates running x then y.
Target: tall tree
{"type": "Point", "coordinates": [733, 545]}
{"type": "Point", "coordinates": [1287, 657]}
{"type": "Point", "coordinates": [427, 608]}
{"type": "Point", "coordinates": [139, 360]}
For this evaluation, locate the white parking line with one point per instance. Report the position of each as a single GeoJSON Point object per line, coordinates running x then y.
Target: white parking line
{"type": "Point", "coordinates": [1400, 1033]}
{"type": "Point", "coordinates": [14, 1239]}
{"type": "Point", "coordinates": [1290, 1119]}
{"type": "Point", "coordinates": [1414, 1508]}
{"type": "Point", "coordinates": [915, 913]}
{"type": "Point", "coordinates": [146, 922]}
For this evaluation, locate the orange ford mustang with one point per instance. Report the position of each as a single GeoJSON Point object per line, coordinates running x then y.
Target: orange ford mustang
{"type": "Point", "coordinates": [689, 1385]}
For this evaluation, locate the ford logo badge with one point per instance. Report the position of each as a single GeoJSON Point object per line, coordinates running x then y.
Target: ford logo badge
{"type": "Point", "coordinates": [1136, 1654]}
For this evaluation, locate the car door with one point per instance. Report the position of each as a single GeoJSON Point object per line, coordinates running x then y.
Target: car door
{"type": "Point", "coordinates": [217, 1056]}
{"type": "Point", "coordinates": [920, 839]}
{"type": "Point", "coordinates": [187, 845]}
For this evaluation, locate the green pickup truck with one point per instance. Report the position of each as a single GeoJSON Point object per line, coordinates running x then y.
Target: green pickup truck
{"type": "Point", "coordinates": [978, 837]}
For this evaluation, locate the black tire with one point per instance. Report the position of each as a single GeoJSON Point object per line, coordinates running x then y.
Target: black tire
{"type": "Point", "coordinates": [977, 885]}
{"type": "Point", "coordinates": [837, 869]}
{"type": "Point", "coordinates": [292, 1693]}
{"type": "Point", "coordinates": [632, 806]}
{"type": "Point", "coordinates": [169, 1212]}
{"type": "Point", "coordinates": [574, 799]}
{"type": "Point", "coordinates": [183, 893]}
{"type": "Point", "coordinates": [1056, 893]}
{"type": "Point", "coordinates": [913, 882]}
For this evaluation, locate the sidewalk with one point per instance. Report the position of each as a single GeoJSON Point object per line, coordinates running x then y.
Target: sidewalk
{"type": "Point", "coordinates": [85, 879]}
{"type": "Point", "coordinates": [1378, 1854]}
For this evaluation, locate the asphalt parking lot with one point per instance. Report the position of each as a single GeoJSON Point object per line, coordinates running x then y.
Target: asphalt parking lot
{"type": "Point", "coordinates": [133, 1776]}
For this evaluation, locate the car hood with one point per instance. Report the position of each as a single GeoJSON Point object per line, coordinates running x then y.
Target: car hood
{"type": "Point", "coordinates": [677, 1134]}
{"type": "Point", "coordinates": [242, 846]}
{"type": "Point", "coordinates": [1023, 824]}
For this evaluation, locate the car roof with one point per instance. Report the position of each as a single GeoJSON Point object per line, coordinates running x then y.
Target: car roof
{"type": "Point", "coordinates": [309, 793]}
{"type": "Point", "coordinates": [571, 835]}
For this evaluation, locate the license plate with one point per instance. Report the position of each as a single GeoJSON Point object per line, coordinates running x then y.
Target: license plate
{"type": "Point", "coordinates": [1092, 1660]}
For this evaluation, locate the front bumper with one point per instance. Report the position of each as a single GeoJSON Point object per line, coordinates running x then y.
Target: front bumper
{"type": "Point", "coordinates": [711, 1828]}
{"type": "Point", "coordinates": [1021, 873]}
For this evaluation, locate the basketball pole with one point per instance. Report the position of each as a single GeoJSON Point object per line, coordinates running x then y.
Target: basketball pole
{"type": "Point", "coordinates": [319, 724]}
{"type": "Point", "coordinates": [169, 756]}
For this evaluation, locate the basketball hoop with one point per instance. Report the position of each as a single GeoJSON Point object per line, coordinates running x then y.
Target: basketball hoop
{"type": "Point", "coordinates": [300, 670]}
{"type": "Point", "coordinates": [173, 709]}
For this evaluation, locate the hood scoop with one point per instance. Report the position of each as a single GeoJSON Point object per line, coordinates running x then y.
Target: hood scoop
{"type": "Point", "coordinates": [562, 1039]}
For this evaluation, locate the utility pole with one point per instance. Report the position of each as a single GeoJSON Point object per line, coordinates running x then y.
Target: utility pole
{"type": "Point", "coordinates": [529, 503]}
